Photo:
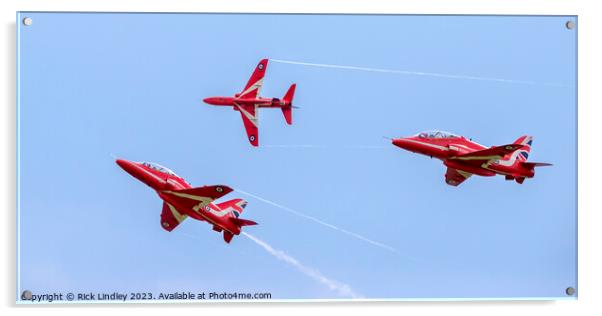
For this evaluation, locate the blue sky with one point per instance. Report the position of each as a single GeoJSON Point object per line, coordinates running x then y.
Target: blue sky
{"type": "Point", "coordinates": [131, 85]}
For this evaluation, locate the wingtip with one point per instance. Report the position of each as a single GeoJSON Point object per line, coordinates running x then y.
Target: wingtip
{"type": "Point", "coordinates": [253, 140]}
{"type": "Point", "coordinates": [220, 189]}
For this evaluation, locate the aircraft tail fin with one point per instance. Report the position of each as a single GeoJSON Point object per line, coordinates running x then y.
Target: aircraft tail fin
{"type": "Point", "coordinates": [519, 159]}
{"type": "Point", "coordinates": [236, 206]}
{"type": "Point", "coordinates": [287, 110]}
{"type": "Point", "coordinates": [523, 153]}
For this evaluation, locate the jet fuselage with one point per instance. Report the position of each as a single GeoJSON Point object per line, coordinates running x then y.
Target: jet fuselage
{"type": "Point", "coordinates": [259, 102]}
{"type": "Point", "coordinates": [449, 148]}
{"type": "Point", "coordinates": [166, 184]}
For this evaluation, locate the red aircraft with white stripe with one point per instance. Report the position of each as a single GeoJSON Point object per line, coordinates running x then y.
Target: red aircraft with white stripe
{"type": "Point", "coordinates": [248, 102]}
{"type": "Point", "coordinates": [463, 157]}
{"type": "Point", "coordinates": [181, 201]}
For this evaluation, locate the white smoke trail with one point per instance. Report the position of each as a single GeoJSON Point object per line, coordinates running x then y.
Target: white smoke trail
{"type": "Point", "coordinates": [341, 288]}
{"type": "Point", "coordinates": [364, 147]}
{"type": "Point", "coordinates": [326, 147]}
{"type": "Point", "coordinates": [419, 73]}
{"type": "Point", "coordinates": [311, 218]}
{"type": "Point", "coordinates": [294, 146]}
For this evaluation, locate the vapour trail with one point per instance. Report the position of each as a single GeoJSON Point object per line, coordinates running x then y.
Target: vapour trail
{"type": "Point", "coordinates": [326, 147]}
{"type": "Point", "coordinates": [419, 73]}
{"type": "Point", "coordinates": [341, 288]}
{"type": "Point", "coordinates": [294, 146]}
{"type": "Point", "coordinates": [311, 218]}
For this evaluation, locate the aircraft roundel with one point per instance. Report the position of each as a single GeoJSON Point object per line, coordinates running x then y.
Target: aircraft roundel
{"type": "Point", "coordinates": [260, 66]}
{"type": "Point", "coordinates": [252, 138]}
{"type": "Point", "coordinates": [219, 189]}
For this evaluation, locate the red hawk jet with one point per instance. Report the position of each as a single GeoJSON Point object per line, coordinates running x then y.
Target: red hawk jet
{"type": "Point", "coordinates": [248, 102]}
{"type": "Point", "coordinates": [463, 157]}
{"type": "Point", "coordinates": [180, 200]}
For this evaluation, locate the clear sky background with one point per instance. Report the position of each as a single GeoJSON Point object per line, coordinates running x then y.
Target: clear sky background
{"type": "Point", "coordinates": [131, 85]}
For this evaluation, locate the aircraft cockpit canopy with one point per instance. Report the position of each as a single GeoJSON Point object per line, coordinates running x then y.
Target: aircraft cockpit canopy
{"type": "Point", "coordinates": [158, 167]}
{"type": "Point", "coordinates": [436, 134]}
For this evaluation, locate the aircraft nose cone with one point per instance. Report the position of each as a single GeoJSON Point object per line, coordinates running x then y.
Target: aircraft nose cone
{"type": "Point", "coordinates": [400, 142]}
{"type": "Point", "coordinates": [137, 171]}
{"type": "Point", "coordinates": [409, 144]}
{"type": "Point", "coordinates": [405, 143]}
{"type": "Point", "coordinates": [210, 100]}
{"type": "Point", "coordinates": [128, 166]}
{"type": "Point", "coordinates": [121, 162]}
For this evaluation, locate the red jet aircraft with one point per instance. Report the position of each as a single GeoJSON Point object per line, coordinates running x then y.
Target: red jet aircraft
{"type": "Point", "coordinates": [180, 200]}
{"type": "Point", "coordinates": [463, 157]}
{"type": "Point", "coordinates": [248, 102]}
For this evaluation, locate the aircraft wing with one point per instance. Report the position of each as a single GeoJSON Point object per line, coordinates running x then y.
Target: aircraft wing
{"type": "Point", "coordinates": [255, 83]}
{"type": "Point", "coordinates": [250, 119]}
{"type": "Point", "coordinates": [170, 217]}
{"type": "Point", "coordinates": [486, 155]}
{"type": "Point", "coordinates": [197, 198]}
{"type": "Point", "coordinates": [455, 177]}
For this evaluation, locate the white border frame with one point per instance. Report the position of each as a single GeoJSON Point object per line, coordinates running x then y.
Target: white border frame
{"type": "Point", "coordinates": [589, 207]}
